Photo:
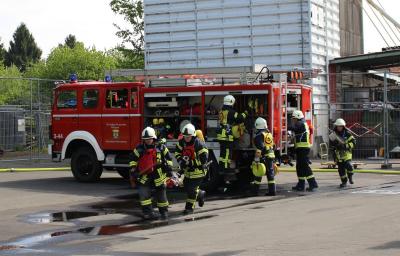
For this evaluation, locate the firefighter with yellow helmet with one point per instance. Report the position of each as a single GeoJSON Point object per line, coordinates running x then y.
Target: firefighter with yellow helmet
{"type": "Point", "coordinates": [151, 164]}
{"type": "Point", "coordinates": [342, 142]}
{"type": "Point", "coordinates": [302, 147]}
{"type": "Point", "coordinates": [264, 157]}
{"type": "Point", "coordinates": [230, 125]}
{"type": "Point", "coordinates": [192, 155]}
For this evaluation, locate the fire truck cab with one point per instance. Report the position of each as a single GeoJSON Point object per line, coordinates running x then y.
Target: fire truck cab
{"type": "Point", "coordinates": [98, 124]}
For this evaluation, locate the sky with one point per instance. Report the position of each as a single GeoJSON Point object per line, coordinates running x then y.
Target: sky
{"type": "Point", "coordinates": [91, 21]}
{"type": "Point", "coordinates": [50, 21]}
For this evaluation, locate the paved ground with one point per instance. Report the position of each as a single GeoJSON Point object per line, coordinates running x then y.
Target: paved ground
{"type": "Point", "coordinates": [48, 213]}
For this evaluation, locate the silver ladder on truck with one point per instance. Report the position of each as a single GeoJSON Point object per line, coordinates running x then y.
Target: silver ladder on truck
{"type": "Point", "coordinates": [283, 115]}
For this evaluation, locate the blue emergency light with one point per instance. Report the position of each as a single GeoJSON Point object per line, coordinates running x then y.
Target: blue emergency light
{"type": "Point", "coordinates": [108, 79]}
{"type": "Point", "coordinates": [73, 78]}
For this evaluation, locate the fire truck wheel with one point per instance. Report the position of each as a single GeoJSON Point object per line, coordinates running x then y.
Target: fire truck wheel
{"type": "Point", "coordinates": [124, 173]}
{"type": "Point", "coordinates": [85, 166]}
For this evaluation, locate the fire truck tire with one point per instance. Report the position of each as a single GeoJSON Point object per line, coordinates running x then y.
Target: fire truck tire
{"type": "Point", "coordinates": [124, 173]}
{"type": "Point", "coordinates": [85, 166]}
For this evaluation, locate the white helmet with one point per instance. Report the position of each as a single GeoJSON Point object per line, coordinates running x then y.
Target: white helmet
{"type": "Point", "coordinates": [229, 100]}
{"type": "Point", "coordinates": [189, 130]}
{"type": "Point", "coordinates": [297, 114]}
{"type": "Point", "coordinates": [261, 124]}
{"type": "Point", "coordinates": [340, 122]}
{"type": "Point", "coordinates": [149, 133]}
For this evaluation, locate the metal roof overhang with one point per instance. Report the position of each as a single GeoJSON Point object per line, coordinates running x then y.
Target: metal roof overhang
{"type": "Point", "coordinates": [368, 61]}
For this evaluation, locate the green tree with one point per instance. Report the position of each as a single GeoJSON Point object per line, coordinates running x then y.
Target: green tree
{"type": "Point", "coordinates": [2, 53]}
{"type": "Point", "coordinates": [13, 91]}
{"type": "Point", "coordinates": [126, 58]}
{"type": "Point", "coordinates": [70, 41]}
{"type": "Point", "coordinates": [132, 11]}
{"type": "Point", "coordinates": [132, 49]}
{"type": "Point", "coordinates": [23, 50]}
{"type": "Point", "coordinates": [87, 63]}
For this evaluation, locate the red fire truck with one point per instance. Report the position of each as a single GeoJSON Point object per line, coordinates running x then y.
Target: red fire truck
{"type": "Point", "coordinates": [97, 124]}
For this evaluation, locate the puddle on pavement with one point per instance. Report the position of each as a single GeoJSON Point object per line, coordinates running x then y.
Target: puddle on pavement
{"type": "Point", "coordinates": [106, 230]}
{"type": "Point", "coordinates": [126, 204]}
{"type": "Point", "coordinates": [62, 216]}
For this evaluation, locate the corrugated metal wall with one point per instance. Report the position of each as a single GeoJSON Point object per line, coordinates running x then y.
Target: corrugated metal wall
{"type": "Point", "coordinates": [229, 33]}
{"type": "Point", "coordinates": [351, 28]}
{"type": "Point", "coordinates": [222, 33]}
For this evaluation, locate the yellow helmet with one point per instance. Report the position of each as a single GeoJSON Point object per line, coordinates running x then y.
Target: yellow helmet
{"type": "Point", "coordinates": [155, 121]}
{"type": "Point", "coordinates": [258, 169]}
{"type": "Point", "coordinates": [161, 121]}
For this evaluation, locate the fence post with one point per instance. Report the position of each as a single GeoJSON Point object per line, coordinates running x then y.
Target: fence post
{"type": "Point", "coordinates": [386, 164]}
{"type": "Point", "coordinates": [31, 126]}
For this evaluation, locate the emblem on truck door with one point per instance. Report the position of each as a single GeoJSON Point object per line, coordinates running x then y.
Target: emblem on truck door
{"type": "Point", "coordinates": [115, 133]}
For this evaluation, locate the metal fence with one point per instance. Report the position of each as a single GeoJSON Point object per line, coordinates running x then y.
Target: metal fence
{"type": "Point", "coordinates": [369, 102]}
{"type": "Point", "coordinates": [24, 118]}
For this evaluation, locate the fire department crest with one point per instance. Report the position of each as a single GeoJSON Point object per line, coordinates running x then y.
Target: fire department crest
{"type": "Point", "coordinates": [115, 133]}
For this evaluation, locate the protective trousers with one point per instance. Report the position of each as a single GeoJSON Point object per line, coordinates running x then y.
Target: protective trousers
{"type": "Point", "coordinates": [145, 197]}
{"type": "Point", "coordinates": [270, 177]}
{"type": "Point", "coordinates": [192, 189]}
{"type": "Point", "coordinates": [345, 169]}
{"type": "Point", "coordinates": [225, 155]}
{"type": "Point", "coordinates": [303, 169]}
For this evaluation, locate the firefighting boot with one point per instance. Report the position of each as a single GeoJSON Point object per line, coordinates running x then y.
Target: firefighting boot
{"type": "Point", "coordinates": [188, 209]}
{"type": "Point", "coordinates": [312, 184]}
{"type": "Point", "coordinates": [271, 190]}
{"type": "Point", "coordinates": [253, 190]}
{"type": "Point", "coordinates": [148, 213]}
{"type": "Point", "coordinates": [300, 186]}
{"type": "Point", "coordinates": [201, 197]}
{"type": "Point", "coordinates": [344, 182]}
{"type": "Point", "coordinates": [350, 175]}
{"type": "Point", "coordinates": [163, 213]}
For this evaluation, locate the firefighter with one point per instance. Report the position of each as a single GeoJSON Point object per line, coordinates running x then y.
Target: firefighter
{"type": "Point", "coordinates": [264, 155]}
{"type": "Point", "coordinates": [302, 147]}
{"type": "Point", "coordinates": [343, 142]}
{"type": "Point", "coordinates": [192, 156]}
{"type": "Point", "coordinates": [151, 164]}
{"type": "Point", "coordinates": [230, 122]}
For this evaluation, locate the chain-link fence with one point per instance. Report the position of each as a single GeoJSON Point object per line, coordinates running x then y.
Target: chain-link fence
{"type": "Point", "coordinates": [25, 106]}
{"type": "Point", "coordinates": [369, 102]}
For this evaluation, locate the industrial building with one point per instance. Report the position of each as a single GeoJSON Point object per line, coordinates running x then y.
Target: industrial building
{"type": "Point", "coordinates": [284, 35]}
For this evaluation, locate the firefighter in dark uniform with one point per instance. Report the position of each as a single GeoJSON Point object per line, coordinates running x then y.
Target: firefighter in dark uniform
{"type": "Point", "coordinates": [192, 155]}
{"type": "Point", "coordinates": [151, 164]}
{"type": "Point", "coordinates": [264, 155]}
{"type": "Point", "coordinates": [230, 122]}
{"type": "Point", "coordinates": [302, 147]}
{"type": "Point", "coordinates": [342, 142]}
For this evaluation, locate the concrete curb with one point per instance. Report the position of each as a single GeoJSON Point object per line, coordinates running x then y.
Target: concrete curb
{"type": "Point", "coordinates": [35, 169]}
{"type": "Point", "coordinates": [356, 171]}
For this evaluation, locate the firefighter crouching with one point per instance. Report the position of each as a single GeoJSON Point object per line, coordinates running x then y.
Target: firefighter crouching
{"type": "Point", "coordinates": [230, 125]}
{"type": "Point", "coordinates": [192, 155]}
{"type": "Point", "coordinates": [151, 163]}
{"type": "Point", "coordinates": [264, 157]}
{"type": "Point", "coordinates": [343, 142]}
{"type": "Point", "coordinates": [302, 147]}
